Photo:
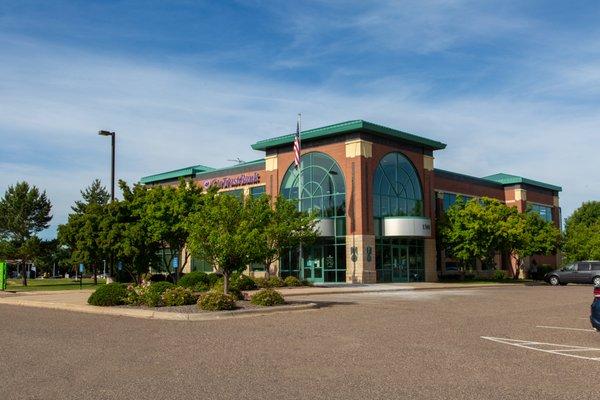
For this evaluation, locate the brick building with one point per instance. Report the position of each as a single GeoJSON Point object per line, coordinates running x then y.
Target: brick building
{"type": "Point", "coordinates": [377, 195]}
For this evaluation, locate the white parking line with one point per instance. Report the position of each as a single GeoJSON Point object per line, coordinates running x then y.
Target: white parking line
{"type": "Point", "coordinates": [559, 349]}
{"type": "Point", "coordinates": [565, 328]}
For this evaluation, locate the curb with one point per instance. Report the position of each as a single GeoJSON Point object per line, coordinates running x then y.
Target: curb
{"type": "Point", "coordinates": [161, 315]}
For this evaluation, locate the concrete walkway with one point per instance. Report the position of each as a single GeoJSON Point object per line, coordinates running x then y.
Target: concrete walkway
{"type": "Point", "coordinates": [76, 300]}
{"type": "Point", "coordinates": [381, 287]}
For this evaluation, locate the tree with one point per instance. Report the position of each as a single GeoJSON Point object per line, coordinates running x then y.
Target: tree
{"type": "Point", "coordinates": [582, 233]}
{"type": "Point", "coordinates": [528, 234]}
{"type": "Point", "coordinates": [82, 230]}
{"type": "Point", "coordinates": [471, 230]}
{"type": "Point", "coordinates": [281, 227]}
{"type": "Point", "coordinates": [125, 234]}
{"type": "Point", "coordinates": [164, 211]}
{"type": "Point", "coordinates": [93, 194]}
{"type": "Point", "coordinates": [224, 234]}
{"type": "Point", "coordinates": [24, 212]}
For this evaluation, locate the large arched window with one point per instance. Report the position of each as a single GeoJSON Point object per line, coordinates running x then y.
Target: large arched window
{"type": "Point", "coordinates": [323, 188]}
{"type": "Point", "coordinates": [396, 188]}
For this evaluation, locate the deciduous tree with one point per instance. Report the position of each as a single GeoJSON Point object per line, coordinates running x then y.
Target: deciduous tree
{"type": "Point", "coordinates": [24, 212]}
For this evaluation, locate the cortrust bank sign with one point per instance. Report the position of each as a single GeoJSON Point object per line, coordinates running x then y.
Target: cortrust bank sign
{"type": "Point", "coordinates": [224, 183]}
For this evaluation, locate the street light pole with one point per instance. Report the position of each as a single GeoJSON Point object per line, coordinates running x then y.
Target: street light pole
{"type": "Point", "coordinates": [112, 189]}
{"type": "Point", "coordinates": [112, 162]}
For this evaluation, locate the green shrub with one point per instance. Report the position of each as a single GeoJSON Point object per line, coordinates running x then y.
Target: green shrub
{"type": "Point", "coordinates": [178, 296]}
{"type": "Point", "coordinates": [242, 282]}
{"type": "Point", "coordinates": [498, 275]}
{"type": "Point", "coordinates": [112, 294]}
{"type": "Point", "coordinates": [292, 281]}
{"type": "Point", "coordinates": [234, 291]}
{"type": "Point", "coordinates": [136, 293]}
{"type": "Point", "coordinates": [307, 283]}
{"type": "Point", "coordinates": [201, 287]}
{"type": "Point", "coordinates": [192, 279]}
{"type": "Point", "coordinates": [276, 281]}
{"type": "Point", "coordinates": [216, 301]}
{"type": "Point", "coordinates": [267, 297]}
{"type": "Point", "coordinates": [261, 282]}
{"type": "Point", "coordinates": [153, 296]}
{"type": "Point", "coordinates": [213, 278]}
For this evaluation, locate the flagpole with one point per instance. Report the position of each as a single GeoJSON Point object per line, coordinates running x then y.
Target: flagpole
{"type": "Point", "coordinates": [300, 185]}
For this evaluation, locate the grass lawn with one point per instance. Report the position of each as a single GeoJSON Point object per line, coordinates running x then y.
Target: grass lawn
{"type": "Point", "coordinates": [49, 284]}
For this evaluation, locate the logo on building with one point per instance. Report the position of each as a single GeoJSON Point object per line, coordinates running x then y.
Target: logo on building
{"type": "Point", "coordinates": [224, 183]}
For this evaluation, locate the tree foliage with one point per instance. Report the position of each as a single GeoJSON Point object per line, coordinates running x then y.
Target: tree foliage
{"type": "Point", "coordinates": [582, 233]}
{"type": "Point", "coordinates": [224, 233]}
{"type": "Point", "coordinates": [471, 230]}
{"type": "Point", "coordinates": [281, 227]}
{"type": "Point", "coordinates": [479, 228]}
{"type": "Point", "coordinates": [24, 212]}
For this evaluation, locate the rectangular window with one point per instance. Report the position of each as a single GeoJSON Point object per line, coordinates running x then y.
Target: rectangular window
{"type": "Point", "coordinates": [582, 267]}
{"type": "Point", "coordinates": [238, 193]}
{"type": "Point", "coordinates": [543, 211]}
{"type": "Point", "coordinates": [451, 198]}
{"type": "Point", "coordinates": [257, 191]}
{"type": "Point", "coordinates": [595, 266]}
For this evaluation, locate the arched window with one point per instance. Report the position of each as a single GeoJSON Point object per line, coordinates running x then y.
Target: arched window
{"type": "Point", "coordinates": [396, 188]}
{"type": "Point", "coordinates": [323, 188]}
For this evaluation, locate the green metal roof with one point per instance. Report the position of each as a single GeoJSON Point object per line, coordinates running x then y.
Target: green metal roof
{"type": "Point", "coordinates": [507, 179]}
{"type": "Point", "coordinates": [176, 174]}
{"type": "Point", "coordinates": [347, 127]}
{"type": "Point", "coordinates": [241, 167]}
{"type": "Point", "coordinates": [199, 171]}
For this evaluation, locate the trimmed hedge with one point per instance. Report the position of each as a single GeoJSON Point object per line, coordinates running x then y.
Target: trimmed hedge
{"type": "Point", "coordinates": [216, 301]}
{"type": "Point", "coordinates": [276, 281]}
{"type": "Point", "coordinates": [292, 281]}
{"type": "Point", "coordinates": [233, 291]}
{"type": "Point", "coordinates": [192, 279]}
{"type": "Point", "coordinates": [267, 298]}
{"type": "Point", "coordinates": [242, 282]}
{"type": "Point", "coordinates": [178, 296]}
{"type": "Point", "coordinates": [153, 297]}
{"type": "Point", "coordinates": [112, 294]}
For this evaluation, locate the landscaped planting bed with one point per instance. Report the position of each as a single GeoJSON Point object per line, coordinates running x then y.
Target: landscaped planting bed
{"type": "Point", "coordinates": [197, 292]}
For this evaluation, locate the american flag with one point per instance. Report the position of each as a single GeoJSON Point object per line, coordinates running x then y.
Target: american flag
{"type": "Point", "coordinates": [297, 146]}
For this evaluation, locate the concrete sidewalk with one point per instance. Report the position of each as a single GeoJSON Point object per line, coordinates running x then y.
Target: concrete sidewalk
{"type": "Point", "coordinates": [382, 287]}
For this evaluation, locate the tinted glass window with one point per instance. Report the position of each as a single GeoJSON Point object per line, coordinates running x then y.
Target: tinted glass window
{"type": "Point", "coordinates": [583, 267]}
{"type": "Point", "coordinates": [596, 266]}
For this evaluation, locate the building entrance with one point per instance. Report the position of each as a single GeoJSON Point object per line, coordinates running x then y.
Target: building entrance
{"type": "Point", "coordinates": [313, 264]}
{"type": "Point", "coordinates": [399, 260]}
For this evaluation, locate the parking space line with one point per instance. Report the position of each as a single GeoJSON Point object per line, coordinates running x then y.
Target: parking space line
{"type": "Point", "coordinates": [560, 349]}
{"type": "Point", "coordinates": [565, 328]}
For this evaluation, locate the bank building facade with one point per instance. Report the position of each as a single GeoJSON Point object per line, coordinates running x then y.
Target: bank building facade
{"type": "Point", "coordinates": [377, 195]}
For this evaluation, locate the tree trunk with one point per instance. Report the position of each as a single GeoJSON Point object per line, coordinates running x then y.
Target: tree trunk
{"type": "Point", "coordinates": [225, 282]}
{"type": "Point", "coordinates": [95, 269]}
{"type": "Point", "coordinates": [267, 270]}
{"type": "Point", "coordinates": [24, 272]}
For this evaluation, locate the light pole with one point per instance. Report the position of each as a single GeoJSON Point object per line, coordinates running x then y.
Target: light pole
{"type": "Point", "coordinates": [112, 162]}
{"type": "Point", "coordinates": [112, 189]}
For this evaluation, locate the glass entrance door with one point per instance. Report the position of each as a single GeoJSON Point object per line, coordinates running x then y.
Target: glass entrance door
{"type": "Point", "coordinates": [313, 264]}
{"type": "Point", "coordinates": [400, 265]}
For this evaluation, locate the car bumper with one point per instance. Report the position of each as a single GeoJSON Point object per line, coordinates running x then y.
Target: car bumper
{"type": "Point", "coordinates": [595, 317]}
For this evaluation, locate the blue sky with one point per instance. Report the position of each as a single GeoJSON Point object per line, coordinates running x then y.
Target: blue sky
{"type": "Point", "coordinates": [510, 86]}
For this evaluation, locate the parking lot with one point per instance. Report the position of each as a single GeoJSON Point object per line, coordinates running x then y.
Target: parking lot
{"type": "Point", "coordinates": [492, 343]}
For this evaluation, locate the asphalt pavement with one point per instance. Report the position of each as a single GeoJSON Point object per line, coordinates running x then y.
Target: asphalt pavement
{"type": "Point", "coordinates": [399, 345]}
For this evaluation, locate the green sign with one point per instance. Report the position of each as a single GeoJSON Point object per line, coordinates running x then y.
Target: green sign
{"type": "Point", "coordinates": [3, 275]}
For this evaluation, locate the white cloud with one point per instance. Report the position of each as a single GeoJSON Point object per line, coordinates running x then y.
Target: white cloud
{"type": "Point", "coordinates": [166, 117]}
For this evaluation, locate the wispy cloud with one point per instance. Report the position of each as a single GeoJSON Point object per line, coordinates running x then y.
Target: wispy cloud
{"type": "Point", "coordinates": [182, 110]}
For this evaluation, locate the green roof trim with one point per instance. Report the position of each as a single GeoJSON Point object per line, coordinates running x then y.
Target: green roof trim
{"type": "Point", "coordinates": [176, 174]}
{"type": "Point", "coordinates": [348, 127]}
{"type": "Point", "coordinates": [199, 171]}
{"type": "Point", "coordinates": [507, 179]}
{"type": "Point", "coordinates": [241, 167]}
